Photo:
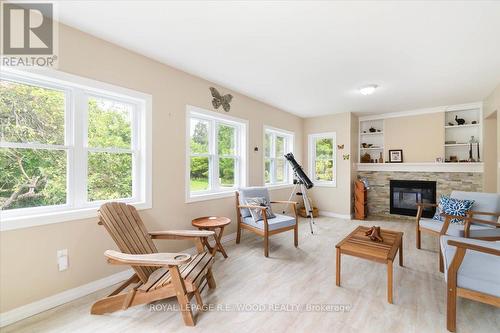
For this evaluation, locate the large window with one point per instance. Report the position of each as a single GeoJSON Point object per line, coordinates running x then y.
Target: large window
{"type": "Point", "coordinates": [277, 143]}
{"type": "Point", "coordinates": [322, 159]}
{"type": "Point", "coordinates": [216, 154]}
{"type": "Point", "coordinates": [67, 147]}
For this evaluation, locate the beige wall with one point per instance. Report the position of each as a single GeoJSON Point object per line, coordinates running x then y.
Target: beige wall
{"type": "Point", "coordinates": [28, 269]}
{"type": "Point", "coordinates": [491, 112]}
{"type": "Point", "coordinates": [420, 137]}
{"type": "Point", "coordinates": [334, 199]}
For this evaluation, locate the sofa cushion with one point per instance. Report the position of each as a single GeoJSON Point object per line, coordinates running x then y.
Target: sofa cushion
{"type": "Point", "coordinates": [483, 202]}
{"type": "Point", "coordinates": [280, 221]}
{"type": "Point", "coordinates": [476, 230]}
{"type": "Point", "coordinates": [478, 271]}
{"type": "Point", "coordinates": [251, 192]}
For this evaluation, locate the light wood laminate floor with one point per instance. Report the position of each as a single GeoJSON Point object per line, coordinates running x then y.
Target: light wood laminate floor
{"type": "Point", "coordinates": [298, 278]}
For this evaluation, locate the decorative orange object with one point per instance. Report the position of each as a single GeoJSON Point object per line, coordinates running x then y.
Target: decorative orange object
{"type": "Point", "coordinates": [374, 234]}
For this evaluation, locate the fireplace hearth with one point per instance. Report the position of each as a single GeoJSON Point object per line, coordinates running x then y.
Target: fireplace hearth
{"type": "Point", "coordinates": [405, 194]}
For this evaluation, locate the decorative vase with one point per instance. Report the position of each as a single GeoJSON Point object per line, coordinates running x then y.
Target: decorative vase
{"type": "Point", "coordinates": [381, 159]}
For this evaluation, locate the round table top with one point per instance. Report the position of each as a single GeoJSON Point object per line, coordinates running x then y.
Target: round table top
{"type": "Point", "coordinates": [210, 222]}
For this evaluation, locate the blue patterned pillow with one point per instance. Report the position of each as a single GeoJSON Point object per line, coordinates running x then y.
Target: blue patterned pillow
{"type": "Point", "coordinates": [452, 206]}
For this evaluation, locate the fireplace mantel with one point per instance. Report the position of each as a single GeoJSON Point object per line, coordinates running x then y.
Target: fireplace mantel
{"type": "Point", "coordinates": [422, 167]}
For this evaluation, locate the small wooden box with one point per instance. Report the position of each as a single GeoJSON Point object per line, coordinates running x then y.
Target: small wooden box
{"type": "Point", "coordinates": [302, 212]}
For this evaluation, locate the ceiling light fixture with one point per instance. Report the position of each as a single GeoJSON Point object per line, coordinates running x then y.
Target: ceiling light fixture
{"type": "Point", "coordinates": [368, 90]}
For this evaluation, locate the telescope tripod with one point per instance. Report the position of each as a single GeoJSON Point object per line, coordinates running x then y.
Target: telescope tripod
{"type": "Point", "coordinates": [307, 202]}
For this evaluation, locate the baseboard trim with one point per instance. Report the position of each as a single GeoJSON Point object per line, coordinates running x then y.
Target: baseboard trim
{"type": "Point", "coordinates": [28, 310]}
{"type": "Point", "coordinates": [31, 309]}
{"type": "Point", "coordinates": [332, 214]}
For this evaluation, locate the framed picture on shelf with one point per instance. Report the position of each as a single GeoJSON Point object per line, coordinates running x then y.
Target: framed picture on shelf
{"type": "Point", "coordinates": [396, 156]}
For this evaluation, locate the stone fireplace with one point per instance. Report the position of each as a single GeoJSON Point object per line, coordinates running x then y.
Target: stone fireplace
{"type": "Point", "coordinates": [379, 194]}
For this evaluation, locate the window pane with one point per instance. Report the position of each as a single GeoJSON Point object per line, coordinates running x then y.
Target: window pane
{"type": "Point", "coordinates": [280, 146]}
{"type": "Point", "coordinates": [199, 136]}
{"type": "Point", "coordinates": [267, 170]}
{"type": "Point", "coordinates": [109, 176]}
{"type": "Point", "coordinates": [109, 123]}
{"type": "Point", "coordinates": [225, 140]}
{"type": "Point", "coordinates": [31, 114]}
{"type": "Point", "coordinates": [280, 170]}
{"type": "Point", "coordinates": [324, 148]}
{"type": "Point", "coordinates": [267, 144]}
{"type": "Point", "coordinates": [324, 170]}
{"type": "Point", "coordinates": [199, 174]}
{"type": "Point", "coordinates": [32, 178]}
{"type": "Point", "coordinates": [226, 172]}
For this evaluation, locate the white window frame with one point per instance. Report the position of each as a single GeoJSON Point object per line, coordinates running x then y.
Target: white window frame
{"type": "Point", "coordinates": [288, 147]}
{"type": "Point", "coordinates": [240, 173]}
{"type": "Point", "coordinates": [77, 91]}
{"type": "Point", "coordinates": [312, 158]}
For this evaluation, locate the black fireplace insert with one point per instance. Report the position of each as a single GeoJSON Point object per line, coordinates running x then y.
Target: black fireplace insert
{"type": "Point", "coordinates": [405, 194]}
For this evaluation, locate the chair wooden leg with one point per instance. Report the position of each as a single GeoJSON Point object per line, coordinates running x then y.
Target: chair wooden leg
{"type": "Point", "coordinates": [199, 300]}
{"type": "Point", "coordinates": [182, 295]}
{"type": "Point", "coordinates": [451, 292]}
{"type": "Point", "coordinates": [441, 261]}
{"type": "Point", "coordinates": [417, 238]}
{"type": "Point", "coordinates": [451, 308]}
{"type": "Point", "coordinates": [238, 234]}
{"type": "Point", "coordinates": [296, 235]}
{"type": "Point", "coordinates": [210, 279]}
{"type": "Point", "coordinates": [266, 245]}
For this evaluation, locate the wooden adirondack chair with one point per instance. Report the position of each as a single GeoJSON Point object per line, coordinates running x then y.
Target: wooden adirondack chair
{"type": "Point", "coordinates": [157, 275]}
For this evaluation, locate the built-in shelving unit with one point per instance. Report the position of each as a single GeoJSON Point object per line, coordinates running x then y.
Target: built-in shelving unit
{"type": "Point", "coordinates": [458, 137]}
{"type": "Point", "coordinates": [374, 141]}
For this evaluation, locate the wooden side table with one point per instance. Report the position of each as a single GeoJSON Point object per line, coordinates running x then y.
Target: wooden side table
{"type": "Point", "coordinates": [213, 223]}
{"type": "Point", "coordinates": [358, 245]}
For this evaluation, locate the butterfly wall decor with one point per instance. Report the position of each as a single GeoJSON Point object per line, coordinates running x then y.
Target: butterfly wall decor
{"type": "Point", "coordinates": [219, 100]}
{"type": "Point", "coordinates": [346, 156]}
{"type": "Point", "coordinates": [340, 146]}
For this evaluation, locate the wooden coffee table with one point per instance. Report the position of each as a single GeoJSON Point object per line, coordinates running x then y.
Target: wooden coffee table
{"type": "Point", "coordinates": [358, 245]}
{"type": "Point", "coordinates": [214, 223]}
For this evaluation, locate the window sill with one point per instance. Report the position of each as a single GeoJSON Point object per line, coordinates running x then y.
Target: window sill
{"type": "Point", "coordinates": [210, 196]}
{"type": "Point", "coordinates": [279, 186]}
{"type": "Point", "coordinates": [34, 220]}
{"type": "Point", "coordinates": [325, 184]}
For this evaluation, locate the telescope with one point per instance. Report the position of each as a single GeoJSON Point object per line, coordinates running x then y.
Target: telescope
{"type": "Point", "coordinates": [301, 180]}
{"type": "Point", "coordinates": [299, 172]}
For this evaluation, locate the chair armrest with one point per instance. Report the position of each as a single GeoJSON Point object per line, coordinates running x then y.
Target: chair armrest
{"type": "Point", "coordinates": [153, 259]}
{"type": "Point", "coordinates": [284, 202]}
{"type": "Point", "coordinates": [181, 234]}
{"type": "Point", "coordinates": [473, 219]}
{"type": "Point", "coordinates": [252, 207]}
{"type": "Point", "coordinates": [474, 247]}
{"type": "Point", "coordinates": [475, 212]}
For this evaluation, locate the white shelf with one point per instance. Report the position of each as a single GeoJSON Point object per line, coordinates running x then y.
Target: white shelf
{"type": "Point", "coordinates": [422, 167]}
{"type": "Point", "coordinates": [459, 144]}
{"type": "Point", "coordinates": [462, 126]}
{"type": "Point", "coordinates": [374, 133]}
{"type": "Point", "coordinates": [372, 148]}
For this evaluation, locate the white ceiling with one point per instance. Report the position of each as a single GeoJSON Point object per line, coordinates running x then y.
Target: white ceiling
{"type": "Point", "coordinates": [309, 58]}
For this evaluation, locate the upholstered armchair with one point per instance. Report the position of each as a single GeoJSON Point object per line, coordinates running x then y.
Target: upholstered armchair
{"type": "Point", "coordinates": [267, 226]}
{"type": "Point", "coordinates": [472, 270]}
{"type": "Point", "coordinates": [481, 222]}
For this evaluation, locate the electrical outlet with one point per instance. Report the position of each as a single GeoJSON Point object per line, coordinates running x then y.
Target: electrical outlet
{"type": "Point", "coordinates": [62, 259]}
